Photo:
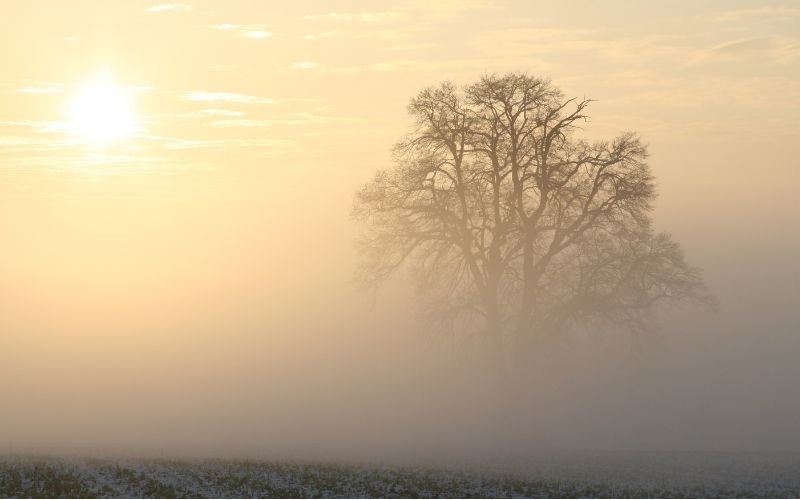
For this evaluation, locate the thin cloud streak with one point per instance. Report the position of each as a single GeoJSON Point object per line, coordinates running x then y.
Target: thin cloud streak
{"type": "Point", "coordinates": [205, 96]}
{"type": "Point", "coordinates": [319, 36]}
{"type": "Point", "coordinates": [221, 112]}
{"type": "Point", "coordinates": [33, 89]}
{"type": "Point", "coordinates": [292, 119]}
{"type": "Point", "coordinates": [363, 17]}
{"type": "Point", "coordinates": [169, 7]}
{"type": "Point", "coordinates": [778, 13]}
{"type": "Point", "coordinates": [252, 31]}
{"type": "Point", "coordinates": [304, 65]}
{"type": "Point", "coordinates": [257, 34]}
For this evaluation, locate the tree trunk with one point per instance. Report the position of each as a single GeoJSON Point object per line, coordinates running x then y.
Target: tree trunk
{"type": "Point", "coordinates": [499, 362]}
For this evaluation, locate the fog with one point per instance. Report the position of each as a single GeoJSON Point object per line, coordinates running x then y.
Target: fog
{"type": "Point", "coordinates": [156, 326]}
{"type": "Point", "coordinates": [198, 302]}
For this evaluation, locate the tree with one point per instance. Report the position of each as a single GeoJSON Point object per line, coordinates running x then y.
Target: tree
{"type": "Point", "coordinates": [514, 227]}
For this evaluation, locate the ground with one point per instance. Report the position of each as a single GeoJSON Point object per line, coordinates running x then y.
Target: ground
{"type": "Point", "coordinates": [617, 475]}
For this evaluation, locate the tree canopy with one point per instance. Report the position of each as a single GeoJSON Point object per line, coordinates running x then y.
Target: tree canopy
{"type": "Point", "coordinates": [513, 226]}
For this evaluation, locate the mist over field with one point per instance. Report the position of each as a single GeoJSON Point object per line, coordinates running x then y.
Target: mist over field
{"type": "Point", "coordinates": [251, 341]}
{"type": "Point", "coordinates": [189, 291]}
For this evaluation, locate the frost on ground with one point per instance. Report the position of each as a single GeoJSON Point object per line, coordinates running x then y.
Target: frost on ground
{"type": "Point", "coordinates": [560, 475]}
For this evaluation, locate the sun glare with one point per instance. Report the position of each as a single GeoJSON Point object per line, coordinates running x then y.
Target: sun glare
{"type": "Point", "coordinates": [101, 112]}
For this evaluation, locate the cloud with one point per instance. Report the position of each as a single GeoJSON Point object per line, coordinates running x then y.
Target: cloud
{"type": "Point", "coordinates": [292, 119]}
{"type": "Point", "coordinates": [456, 66]}
{"type": "Point", "coordinates": [324, 34]}
{"type": "Point", "coordinates": [556, 45]}
{"type": "Point", "coordinates": [244, 122]}
{"type": "Point", "coordinates": [443, 9]}
{"type": "Point", "coordinates": [36, 87]}
{"type": "Point", "coordinates": [254, 31]}
{"type": "Point", "coordinates": [176, 143]}
{"type": "Point", "coordinates": [768, 48]}
{"type": "Point", "coordinates": [26, 144]}
{"type": "Point", "coordinates": [417, 10]}
{"type": "Point", "coordinates": [138, 89]}
{"type": "Point", "coordinates": [221, 112]}
{"type": "Point", "coordinates": [413, 47]}
{"type": "Point", "coordinates": [39, 89]}
{"type": "Point", "coordinates": [792, 47]}
{"type": "Point", "coordinates": [168, 7]}
{"type": "Point", "coordinates": [364, 17]}
{"type": "Point", "coordinates": [741, 45]}
{"type": "Point", "coordinates": [43, 127]}
{"type": "Point", "coordinates": [304, 65]}
{"type": "Point", "coordinates": [257, 34]}
{"type": "Point", "coordinates": [349, 70]}
{"type": "Point", "coordinates": [780, 13]}
{"type": "Point", "coordinates": [12, 143]}
{"type": "Point", "coordinates": [205, 96]}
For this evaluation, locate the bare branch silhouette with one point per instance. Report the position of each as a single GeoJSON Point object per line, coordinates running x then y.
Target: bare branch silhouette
{"type": "Point", "coordinates": [513, 226]}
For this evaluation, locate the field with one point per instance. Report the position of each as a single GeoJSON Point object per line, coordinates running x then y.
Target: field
{"type": "Point", "coordinates": [676, 475]}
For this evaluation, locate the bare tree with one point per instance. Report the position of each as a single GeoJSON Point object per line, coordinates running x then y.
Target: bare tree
{"type": "Point", "coordinates": [514, 227]}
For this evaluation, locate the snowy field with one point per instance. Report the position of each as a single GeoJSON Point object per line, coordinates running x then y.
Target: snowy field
{"type": "Point", "coordinates": [616, 474]}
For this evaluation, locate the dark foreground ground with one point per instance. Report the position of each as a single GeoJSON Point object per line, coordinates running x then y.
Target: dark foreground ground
{"type": "Point", "coordinates": [615, 475]}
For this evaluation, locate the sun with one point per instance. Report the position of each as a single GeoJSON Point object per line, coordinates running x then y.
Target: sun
{"type": "Point", "coordinates": [101, 112]}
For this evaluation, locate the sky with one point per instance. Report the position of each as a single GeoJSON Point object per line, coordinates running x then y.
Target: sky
{"type": "Point", "coordinates": [193, 280]}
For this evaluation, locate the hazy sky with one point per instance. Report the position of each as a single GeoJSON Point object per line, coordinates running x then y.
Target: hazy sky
{"type": "Point", "coordinates": [205, 261]}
